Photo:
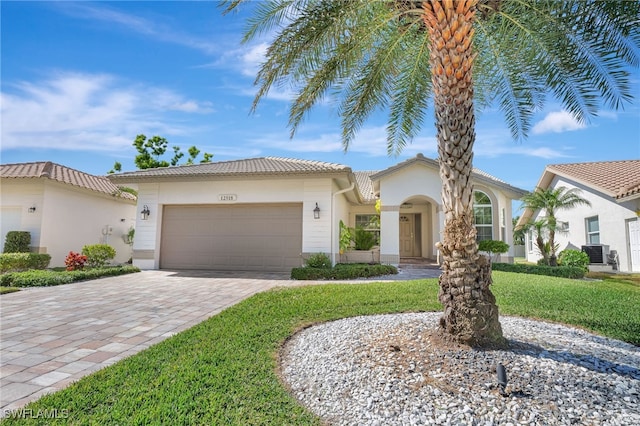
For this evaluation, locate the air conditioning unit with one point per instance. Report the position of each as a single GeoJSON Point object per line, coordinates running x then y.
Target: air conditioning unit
{"type": "Point", "coordinates": [597, 252]}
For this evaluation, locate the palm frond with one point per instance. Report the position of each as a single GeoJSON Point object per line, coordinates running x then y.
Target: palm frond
{"type": "Point", "coordinates": [374, 55]}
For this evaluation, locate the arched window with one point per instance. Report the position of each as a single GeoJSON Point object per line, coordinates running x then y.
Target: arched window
{"type": "Point", "coordinates": [483, 215]}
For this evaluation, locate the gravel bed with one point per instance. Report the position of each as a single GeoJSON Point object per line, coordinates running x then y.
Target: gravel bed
{"type": "Point", "coordinates": [392, 370]}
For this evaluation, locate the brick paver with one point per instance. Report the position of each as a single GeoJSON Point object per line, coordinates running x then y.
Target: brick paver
{"type": "Point", "coordinates": [53, 336]}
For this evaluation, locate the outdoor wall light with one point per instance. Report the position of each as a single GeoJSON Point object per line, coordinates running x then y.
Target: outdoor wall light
{"type": "Point", "coordinates": [32, 209]}
{"type": "Point", "coordinates": [144, 214]}
{"type": "Point", "coordinates": [316, 212]}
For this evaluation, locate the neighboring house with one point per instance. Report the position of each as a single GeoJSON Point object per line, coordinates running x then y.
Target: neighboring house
{"type": "Point", "coordinates": [270, 213]}
{"type": "Point", "coordinates": [64, 209]}
{"type": "Point", "coordinates": [611, 225]}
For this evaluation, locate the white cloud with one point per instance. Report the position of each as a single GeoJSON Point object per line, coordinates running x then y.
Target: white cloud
{"type": "Point", "coordinates": [371, 141]}
{"type": "Point", "coordinates": [74, 111]}
{"type": "Point", "coordinates": [251, 58]}
{"type": "Point", "coordinates": [157, 30]}
{"type": "Point", "coordinates": [491, 144]}
{"type": "Point", "coordinates": [557, 122]}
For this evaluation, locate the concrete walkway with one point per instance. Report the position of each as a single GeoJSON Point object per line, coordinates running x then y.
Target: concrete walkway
{"type": "Point", "coordinates": [53, 336]}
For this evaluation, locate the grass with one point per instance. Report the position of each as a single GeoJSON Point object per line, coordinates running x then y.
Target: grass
{"type": "Point", "coordinates": [223, 371]}
{"type": "Point", "coordinates": [4, 290]}
{"type": "Point", "coordinates": [619, 277]}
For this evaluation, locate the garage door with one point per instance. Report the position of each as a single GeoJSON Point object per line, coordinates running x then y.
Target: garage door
{"type": "Point", "coordinates": [250, 237]}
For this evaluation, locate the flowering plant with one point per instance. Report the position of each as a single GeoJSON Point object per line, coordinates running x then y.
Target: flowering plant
{"type": "Point", "coordinates": [75, 261]}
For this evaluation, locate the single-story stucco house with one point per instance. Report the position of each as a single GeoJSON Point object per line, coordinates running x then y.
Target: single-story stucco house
{"type": "Point", "coordinates": [609, 229]}
{"type": "Point", "coordinates": [64, 209]}
{"type": "Point", "coordinates": [270, 213]}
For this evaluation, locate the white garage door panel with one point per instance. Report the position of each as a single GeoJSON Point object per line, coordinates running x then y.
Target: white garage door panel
{"type": "Point", "coordinates": [266, 237]}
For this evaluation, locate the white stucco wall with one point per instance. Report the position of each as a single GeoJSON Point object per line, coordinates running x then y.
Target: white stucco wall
{"type": "Point", "coordinates": [612, 219]}
{"type": "Point", "coordinates": [68, 218]}
{"type": "Point", "coordinates": [16, 197]}
{"type": "Point", "coordinates": [316, 233]}
{"type": "Point", "coordinates": [418, 184]}
{"type": "Point", "coordinates": [413, 180]}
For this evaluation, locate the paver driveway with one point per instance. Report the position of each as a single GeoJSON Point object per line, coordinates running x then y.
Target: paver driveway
{"type": "Point", "coordinates": [52, 336]}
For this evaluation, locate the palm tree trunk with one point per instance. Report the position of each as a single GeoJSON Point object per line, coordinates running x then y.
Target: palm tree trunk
{"type": "Point", "coordinates": [470, 312]}
{"type": "Point", "coordinates": [553, 260]}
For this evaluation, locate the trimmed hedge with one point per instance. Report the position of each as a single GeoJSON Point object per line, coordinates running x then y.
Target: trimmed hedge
{"type": "Point", "coordinates": [15, 262]}
{"type": "Point", "coordinates": [50, 278]}
{"type": "Point", "coordinates": [17, 242]}
{"type": "Point", "coordinates": [552, 271]}
{"type": "Point", "coordinates": [343, 271]}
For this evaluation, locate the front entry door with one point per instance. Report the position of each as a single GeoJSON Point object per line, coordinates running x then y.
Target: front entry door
{"type": "Point", "coordinates": [407, 235]}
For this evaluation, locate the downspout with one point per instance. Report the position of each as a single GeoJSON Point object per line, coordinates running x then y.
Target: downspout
{"type": "Point", "coordinates": [333, 214]}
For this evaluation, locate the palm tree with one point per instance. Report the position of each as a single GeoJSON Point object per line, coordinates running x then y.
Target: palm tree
{"type": "Point", "coordinates": [551, 201]}
{"type": "Point", "coordinates": [407, 55]}
{"type": "Point", "coordinates": [540, 227]}
{"type": "Point", "coordinates": [519, 233]}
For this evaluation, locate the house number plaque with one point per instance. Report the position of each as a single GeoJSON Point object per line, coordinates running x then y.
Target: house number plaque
{"type": "Point", "coordinates": [227, 197]}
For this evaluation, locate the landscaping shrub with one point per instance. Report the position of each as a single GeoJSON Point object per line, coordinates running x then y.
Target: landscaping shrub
{"type": "Point", "coordinates": [571, 257]}
{"type": "Point", "coordinates": [75, 261]}
{"type": "Point", "coordinates": [17, 242]}
{"type": "Point", "coordinates": [50, 278]}
{"type": "Point", "coordinates": [14, 262]}
{"type": "Point", "coordinates": [363, 239]}
{"type": "Point", "coordinates": [318, 260]}
{"type": "Point", "coordinates": [343, 271]}
{"type": "Point", "coordinates": [553, 271]}
{"type": "Point", "coordinates": [98, 255]}
{"type": "Point", "coordinates": [493, 247]}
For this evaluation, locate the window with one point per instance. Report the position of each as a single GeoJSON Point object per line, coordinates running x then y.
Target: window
{"type": "Point", "coordinates": [483, 215]}
{"type": "Point", "coordinates": [593, 230]}
{"type": "Point", "coordinates": [370, 223]}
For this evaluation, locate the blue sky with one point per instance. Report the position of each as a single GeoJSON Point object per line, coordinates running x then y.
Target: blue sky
{"type": "Point", "coordinates": [81, 79]}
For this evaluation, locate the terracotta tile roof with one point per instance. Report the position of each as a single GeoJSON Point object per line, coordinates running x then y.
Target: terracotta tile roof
{"type": "Point", "coordinates": [365, 185]}
{"type": "Point", "coordinates": [56, 172]}
{"type": "Point", "coordinates": [618, 179]}
{"type": "Point", "coordinates": [251, 166]}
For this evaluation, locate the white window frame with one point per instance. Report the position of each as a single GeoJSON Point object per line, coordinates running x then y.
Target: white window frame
{"type": "Point", "coordinates": [589, 233]}
{"type": "Point", "coordinates": [375, 230]}
{"type": "Point", "coordinates": [483, 225]}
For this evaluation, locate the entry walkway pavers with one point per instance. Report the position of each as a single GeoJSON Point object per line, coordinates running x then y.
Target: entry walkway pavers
{"type": "Point", "coordinates": [53, 336]}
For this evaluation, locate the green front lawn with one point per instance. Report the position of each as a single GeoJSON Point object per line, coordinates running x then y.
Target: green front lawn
{"type": "Point", "coordinates": [223, 371]}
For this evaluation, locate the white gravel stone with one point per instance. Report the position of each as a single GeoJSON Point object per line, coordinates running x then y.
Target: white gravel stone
{"type": "Point", "coordinates": [385, 370]}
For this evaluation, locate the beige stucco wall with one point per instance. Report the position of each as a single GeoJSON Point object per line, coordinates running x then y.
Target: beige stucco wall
{"type": "Point", "coordinates": [67, 218]}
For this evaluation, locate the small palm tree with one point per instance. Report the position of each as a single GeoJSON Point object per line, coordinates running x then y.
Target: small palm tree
{"type": "Point", "coordinates": [551, 201]}
{"type": "Point", "coordinates": [407, 55]}
{"type": "Point", "coordinates": [540, 227]}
